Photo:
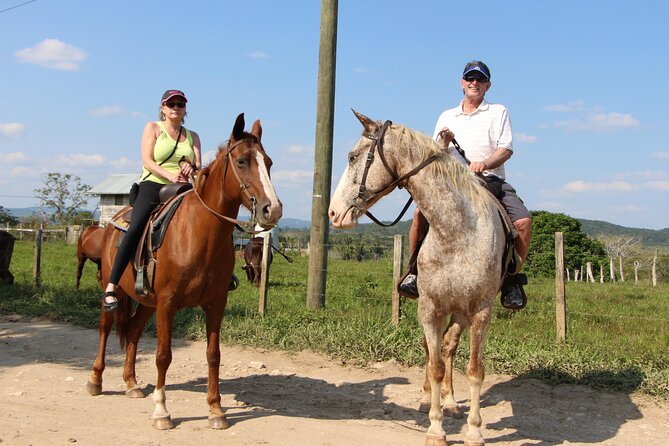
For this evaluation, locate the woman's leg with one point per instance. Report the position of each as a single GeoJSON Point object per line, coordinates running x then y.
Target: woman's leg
{"type": "Point", "coordinates": [147, 200]}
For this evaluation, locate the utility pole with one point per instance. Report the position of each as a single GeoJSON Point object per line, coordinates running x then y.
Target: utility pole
{"type": "Point", "coordinates": [320, 200]}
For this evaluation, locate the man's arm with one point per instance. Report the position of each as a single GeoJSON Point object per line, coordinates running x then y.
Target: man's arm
{"type": "Point", "coordinates": [499, 157]}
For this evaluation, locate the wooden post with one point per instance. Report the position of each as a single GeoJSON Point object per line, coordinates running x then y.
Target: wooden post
{"type": "Point", "coordinates": [320, 200]}
{"type": "Point", "coordinates": [654, 269]}
{"type": "Point", "coordinates": [560, 298]}
{"type": "Point", "coordinates": [398, 268]}
{"type": "Point", "coordinates": [264, 275]}
{"type": "Point", "coordinates": [37, 271]}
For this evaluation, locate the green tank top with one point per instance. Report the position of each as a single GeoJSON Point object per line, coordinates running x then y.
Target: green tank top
{"type": "Point", "coordinates": [163, 148]}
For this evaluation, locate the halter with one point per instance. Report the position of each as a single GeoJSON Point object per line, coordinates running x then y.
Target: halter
{"type": "Point", "coordinates": [363, 195]}
{"type": "Point", "coordinates": [241, 225]}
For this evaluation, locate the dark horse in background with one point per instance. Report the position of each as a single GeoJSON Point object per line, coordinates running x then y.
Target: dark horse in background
{"type": "Point", "coordinates": [195, 260]}
{"type": "Point", "coordinates": [89, 247]}
{"type": "Point", "coordinates": [253, 259]}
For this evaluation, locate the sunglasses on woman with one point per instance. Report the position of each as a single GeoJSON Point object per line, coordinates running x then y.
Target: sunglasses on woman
{"type": "Point", "coordinates": [175, 104]}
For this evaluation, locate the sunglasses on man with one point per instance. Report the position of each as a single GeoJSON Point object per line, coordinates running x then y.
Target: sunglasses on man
{"type": "Point", "coordinates": [475, 77]}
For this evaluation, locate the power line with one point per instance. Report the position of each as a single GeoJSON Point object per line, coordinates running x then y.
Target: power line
{"type": "Point", "coordinates": [17, 6]}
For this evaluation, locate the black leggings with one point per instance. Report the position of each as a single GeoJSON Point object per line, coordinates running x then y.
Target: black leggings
{"type": "Point", "coordinates": [147, 200]}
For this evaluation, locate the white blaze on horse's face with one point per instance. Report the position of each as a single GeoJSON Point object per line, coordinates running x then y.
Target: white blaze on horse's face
{"type": "Point", "coordinates": [273, 210]}
{"type": "Point", "coordinates": [342, 212]}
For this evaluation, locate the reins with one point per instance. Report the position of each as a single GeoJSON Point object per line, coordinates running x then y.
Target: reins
{"type": "Point", "coordinates": [239, 224]}
{"type": "Point", "coordinates": [400, 182]}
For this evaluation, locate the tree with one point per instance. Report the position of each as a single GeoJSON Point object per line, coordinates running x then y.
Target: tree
{"type": "Point", "coordinates": [6, 217]}
{"type": "Point", "coordinates": [578, 247]}
{"type": "Point", "coordinates": [65, 194]}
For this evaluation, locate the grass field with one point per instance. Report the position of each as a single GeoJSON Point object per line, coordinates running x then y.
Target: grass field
{"type": "Point", "coordinates": [617, 335]}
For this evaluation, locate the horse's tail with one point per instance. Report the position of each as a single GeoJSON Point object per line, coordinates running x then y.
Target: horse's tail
{"type": "Point", "coordinates": [123, 320]}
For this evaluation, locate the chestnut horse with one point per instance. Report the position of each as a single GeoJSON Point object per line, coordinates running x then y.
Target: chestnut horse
{"type": "Point", "coordinates": [89, 247]}
{"type": "Point", "coordinates": [194, 266]}
{"type": "Point", "coordinates": [459, 263]}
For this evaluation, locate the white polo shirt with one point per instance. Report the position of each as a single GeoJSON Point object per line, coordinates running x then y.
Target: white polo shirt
{"type": "Point", "coordinates": [479, 133]}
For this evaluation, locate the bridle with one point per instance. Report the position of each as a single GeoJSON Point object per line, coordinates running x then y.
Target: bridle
{"type": "Point", "coordinates": [241, 225]}
{"type": "Point", "coordinates": [364, 195]}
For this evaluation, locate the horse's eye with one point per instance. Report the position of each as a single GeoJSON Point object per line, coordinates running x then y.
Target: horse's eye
{"type": "Point", "coordinates": [352, 157]}
{"type": "Point", "coordinates": [241, 163]}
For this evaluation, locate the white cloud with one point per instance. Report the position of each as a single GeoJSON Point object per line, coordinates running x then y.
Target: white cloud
{"type": "Point", "coordinates": [628, 208]}
{"type": "Point", "coordinates": [564, 108]}
{"type": "Point", "coordinates": [660, 155]}
{"type": "Point", "coordinates": [23, 171]}
{"type": "Point", "coordinates": [52, 53]}
{"type": "Point", "coordinates": [657, 185]}
{"type": "Point", "coordinates": [297, 149]}
{"type": "Point", "coordinates": [126, 163]}
{"type": "Point", "coordinates": [292, 177]}
{"type": "Point", "coordinates": [522, 137]}
{"type": "Point", "coordinates": [80, 160]}
{"type": "Point", "coordinates": [611, 186]}
{"type": "Point", "coordinates": [12, 129]}
{"type": "Point", "coordinates": [106, 110]}
{"type": "Point", "coordinates": [13, 156]}
{"type": "Point", "coordinates": [643, 174]}
{"type": "Point", "coordinates": [259, 55]}
{"type": "Point", "coordinates": [600, 122]}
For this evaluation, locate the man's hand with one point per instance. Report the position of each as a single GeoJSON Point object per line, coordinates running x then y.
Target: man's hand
{"type": "Point", "coordinates": [445, 137]}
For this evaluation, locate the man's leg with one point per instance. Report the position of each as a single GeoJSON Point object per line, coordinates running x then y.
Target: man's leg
{"type": "Point", "coordinates": [513, 296]}
{"type": "Point", "coordinates": [417, 231]}
{"type": "Point", "coordinates": [522, 242]}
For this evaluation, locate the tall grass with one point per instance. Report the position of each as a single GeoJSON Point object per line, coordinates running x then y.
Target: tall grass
{"type": "Point", "coordinates": [617, 334]}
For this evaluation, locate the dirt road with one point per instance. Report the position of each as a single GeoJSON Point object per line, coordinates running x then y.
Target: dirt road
{"type": "Point", "coordinates": [277, 398]}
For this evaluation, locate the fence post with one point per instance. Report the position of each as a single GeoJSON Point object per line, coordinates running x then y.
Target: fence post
{"type": "Point", "coordinates": [264, 274]}
{"type": "Point", "coordinates": [37, 271]}
{"type": "Point", "coordinates": [398, 268]}
{"type": "Point", "coordinates": [560, 299]}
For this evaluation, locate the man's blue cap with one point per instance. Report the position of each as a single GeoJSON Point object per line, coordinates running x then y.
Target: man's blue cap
{"type": "Point", "coordinates": [478, 68]}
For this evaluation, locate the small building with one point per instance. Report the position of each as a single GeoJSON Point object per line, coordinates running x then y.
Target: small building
{"type": "Point", "coordinates": [114, 194]}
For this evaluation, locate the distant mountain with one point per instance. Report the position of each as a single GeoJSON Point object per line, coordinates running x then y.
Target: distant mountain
{"type": "Point", "coordinates": [649, 237]}
{"type": "Point", "coordinates": [294, 223]}
{"type": "Point", "coordinates": [27, 212]}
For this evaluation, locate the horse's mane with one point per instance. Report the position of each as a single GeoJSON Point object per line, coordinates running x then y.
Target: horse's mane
{"type": "Point", "coordinates": [445, 166]}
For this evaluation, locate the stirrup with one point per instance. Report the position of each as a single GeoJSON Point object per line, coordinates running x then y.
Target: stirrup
{"type": "Point", "coordinates": [234, 283]}
{"type": "Point", "coordinates": [109, 306]}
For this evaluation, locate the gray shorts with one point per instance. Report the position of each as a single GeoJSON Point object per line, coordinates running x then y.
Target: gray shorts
{"type": "Point", "coordinates": [513, 204]}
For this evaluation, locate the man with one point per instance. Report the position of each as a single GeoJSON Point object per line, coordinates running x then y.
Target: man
{"type": "Point", "coordinates": [483, 131]}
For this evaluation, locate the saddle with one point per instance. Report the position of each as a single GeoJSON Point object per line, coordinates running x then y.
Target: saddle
{"type": "Point", "coordinates": [153, 235]}
{"type": "Point", "coordinates": [510, 260]}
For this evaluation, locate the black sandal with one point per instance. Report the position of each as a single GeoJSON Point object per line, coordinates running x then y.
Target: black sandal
{"type": "Point", "coordinates": [109, 306]}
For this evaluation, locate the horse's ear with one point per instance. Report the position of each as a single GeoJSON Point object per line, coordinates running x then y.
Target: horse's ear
{"type": "Point", "coordinates": [370, 126]}
{"type": "Point", "coordinates": [257, 130]}
{"type": "Point", "coordinates": [238, 129]}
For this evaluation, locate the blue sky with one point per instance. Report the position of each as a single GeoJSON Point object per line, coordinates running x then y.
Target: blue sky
{"type": "Point", "coordinates": [583, 82]}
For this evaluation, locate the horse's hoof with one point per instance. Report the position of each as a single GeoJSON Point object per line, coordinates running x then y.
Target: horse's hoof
{"type": "Point", "coordinates": [424, 408]}
{"type": "Point", "coordinates": [135, 392]}
{"type": "Point", "coordinates": [94, 389]}
{"type": "Point", "coordinates": [432, 440]}
{"type": "Point", "coordinates": [218, 422]}
{"type": "Point", "coordinates": [453, 412]}
{"type": "Point", "coordinates": [163, 423]}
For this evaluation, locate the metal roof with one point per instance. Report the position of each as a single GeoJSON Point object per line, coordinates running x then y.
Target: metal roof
{"type": "Point", "coordinates": [115, 184]}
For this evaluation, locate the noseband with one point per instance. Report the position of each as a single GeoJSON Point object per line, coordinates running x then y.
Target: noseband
{"type": "Point", "coordinates": [364, 196]}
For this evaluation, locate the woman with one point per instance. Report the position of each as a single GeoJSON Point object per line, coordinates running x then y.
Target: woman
{"type": "Point", "coordinates": [164, 143]}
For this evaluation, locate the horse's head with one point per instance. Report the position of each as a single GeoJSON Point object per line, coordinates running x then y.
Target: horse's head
{"type": "Point", "coordinates": [245, 167]}
{"type": "Point", "coordinates": [369, 175]}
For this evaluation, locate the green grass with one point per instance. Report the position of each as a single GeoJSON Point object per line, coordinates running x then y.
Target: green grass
{"type": "Point", "coordinates": [617, 334]}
